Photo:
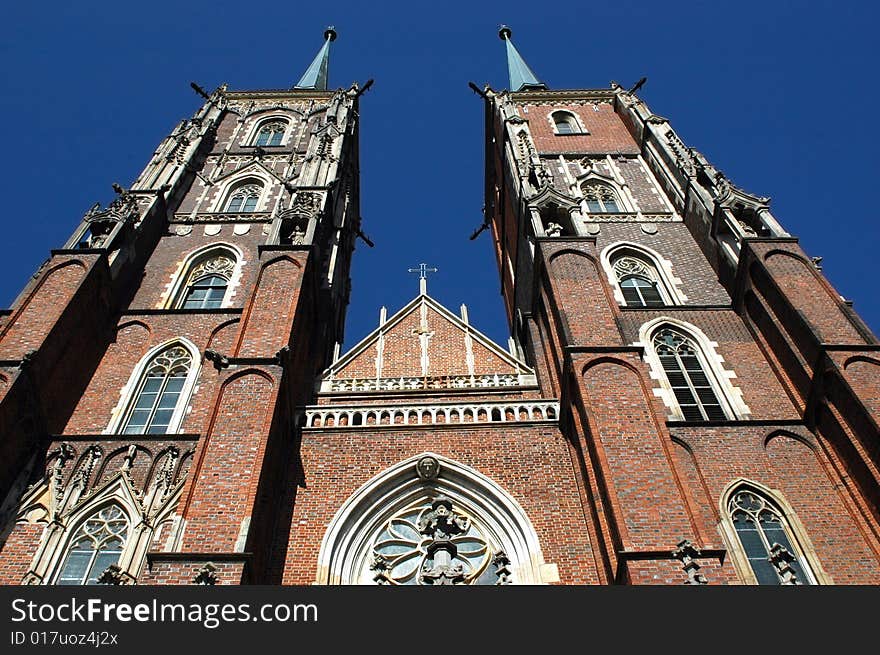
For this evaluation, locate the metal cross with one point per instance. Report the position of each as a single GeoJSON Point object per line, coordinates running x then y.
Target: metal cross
{"type": "Point", "coordinates": [423, 271]}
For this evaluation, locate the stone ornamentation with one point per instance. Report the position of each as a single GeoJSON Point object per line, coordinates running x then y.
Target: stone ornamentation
{"type": "Point", "coordinates": [307, 202]}
{"type": "Point", "coordinates": [428, 468]}
{"type": "Point", "coordinates": [206, 575]}
{"type": "Point", "coordinates": [553, 230]}
{"type": "Point", "coordinates": [432, 543]}
{"type": "Point", "coordinates": [781, 558]}
{"type": "Point", "coordinates": [113, 575]}
{"type": "Point", "coordinates": [222, 266]}
{"type": "Point", "coordinates": [685, 552]}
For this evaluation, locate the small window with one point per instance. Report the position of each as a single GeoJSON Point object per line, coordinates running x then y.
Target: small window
{"type": "Point", "coordinates": [683, 366]}
{"type": "Point", "coordinates": [271, 134]}
{"type": "Point", "coordinates": [601, 199]}
{"type": "Point", "coordinates": [97, 544]}
{"type": "Point", "coordinates": [565, 123]}
{"type": "Point", "coordinates": [244, 198]}
{"type": "Point", "coordinates": [159, 392]}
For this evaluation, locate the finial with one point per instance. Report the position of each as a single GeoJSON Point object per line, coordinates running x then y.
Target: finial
{"type": "Point", "coordinates": [330, 33]}
{"type": "Point", "coordinates": [504, 32]}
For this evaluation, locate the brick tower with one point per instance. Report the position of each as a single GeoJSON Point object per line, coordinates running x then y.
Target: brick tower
{"type": "Point", "coordinates": [718, 396]}
{"type": "Point", "coordinates": [685, 399]}
{"type": "Point", "coordinates": [149, 369]}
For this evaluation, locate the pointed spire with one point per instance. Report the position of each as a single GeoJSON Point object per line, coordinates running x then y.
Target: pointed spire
{"type": "Point", "coordinates": [521, 76]}
{"type": "Point", "coordinates": [315, 76]}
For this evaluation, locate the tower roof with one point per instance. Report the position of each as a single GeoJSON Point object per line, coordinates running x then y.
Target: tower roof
{"type": "Point", "coordinates": [521, 76]}
{"type": "Point", "coordinates": [316, 74]}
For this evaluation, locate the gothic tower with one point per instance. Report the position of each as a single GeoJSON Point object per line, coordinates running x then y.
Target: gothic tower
{"type": "Point", "coordinates": [149, 369]}
{"type": "Point", "coordinates": [718, 396]}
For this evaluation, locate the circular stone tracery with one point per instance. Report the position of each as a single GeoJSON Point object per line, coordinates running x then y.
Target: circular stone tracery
{"type": "Point", "coordinates": [432, 543]}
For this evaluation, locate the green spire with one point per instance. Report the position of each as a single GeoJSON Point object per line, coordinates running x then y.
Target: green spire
{"type": "Point", "coordinates": [521, 76]}
{"type": "Point", "coordinates": [315, 76]}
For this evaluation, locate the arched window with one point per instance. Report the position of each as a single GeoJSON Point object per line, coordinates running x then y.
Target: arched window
{"type": "Point", "coordinates": [244, 198]}
{"type": "Point", "coordinates": [271, 133]}
{"type": "Point", "coordinates": [159, 392]}
{"type": "Point", "coordinates": [207, 282]}
{"type": "Point", "coordinates": [565, 123]}
{"type": "Point", "coordinates": [766, 539]}
{"type": "Point", "coordinates": [639, 282]}
{"type": "Point", "coordinates": [686, 372]}
{"type": "Point", "coordinates": [440, 523]}
{"type": "Point", "coordinates": [601, 199]}
{"type": "Point", "coordinates": [96, 544]}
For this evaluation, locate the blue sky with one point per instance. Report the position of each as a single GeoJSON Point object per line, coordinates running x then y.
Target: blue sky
{"type": "Point", "coordinates": [778, 95]}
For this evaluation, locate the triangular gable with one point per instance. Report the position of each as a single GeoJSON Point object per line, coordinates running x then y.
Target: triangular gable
{"type": "Point", "coordinates": [254, 164]}
{"type": "Point", "coordinates": [424, 339]}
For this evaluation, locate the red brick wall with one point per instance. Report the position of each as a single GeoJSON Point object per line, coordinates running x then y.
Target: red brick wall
{"type": "Point", "coordinates": [164, 263]}
{"type": "Point", "coordinates": [791, 463]}
{"type": "Point", "coordinates": [447, 353]}
{"type": "Point", "coordinates": [223, 484]}
{"type": "Point", "coordinates": [138, 335]}
{"type": "Point", "coordinates": [268, 316]}
{"type": "Point", "coordinates": [531, 463]}
{"type": "Point", "coordinates": [582, 292]}
{"type": "Point", "coordinates": [674, 242]}
{"type": "Point", "coordinates": [35, 315]}
{"type": "Point", "coordinates": [607, 133]}
{"type": "Point", "coordinates": [18, 552]}
{"type": "Point", "coordinates": [647, 509]}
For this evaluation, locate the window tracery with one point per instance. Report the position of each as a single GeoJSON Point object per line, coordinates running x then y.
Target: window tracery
{"type": "Point", "coordinates": [207, 283]}
{"type": "Point", "coordinates": [95, 546]}
{"type": "Point", "coordinates": [271, 133]}
{"type": "Point", "coordinates": [433, 543]}
{"type": "Point", "coordinates": [601, 199]}
{"type": "Point", "coordinates": [682, 363]}
{"type": "Point", "coordinates": [159, 392]}
{"type": "Point", "coordinates": [638, 282]}
{"type": "Point", "coordinates": [767, 540]}
{"type": "Point", "coordinates": [244, 198]}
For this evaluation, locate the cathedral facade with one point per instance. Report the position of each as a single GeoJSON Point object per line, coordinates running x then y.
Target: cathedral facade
{"type": "Point", "coordinates": [685, 399]}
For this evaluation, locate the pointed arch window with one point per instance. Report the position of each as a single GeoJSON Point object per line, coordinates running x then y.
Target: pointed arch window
{"type": "Point", "coordinates": [96, 544]}
{"type": "Point", "coordinates": [439, 524]}
{"type": "Point", "coordinates": [244, 198]}
{"type": "Point", "coordinates": [159, 392]}
{"type": "Point", "coordinates": [207, 283]}
{"type": "Point", "coordinates": [687, 374]}
{"type": "Point", "coordinates": [271, 133]}
{"type": "Point", "coordinates": [601, 199]}
{"type": "Point", "coordinates": [639, 282]}
{"type": "Point", "coordinates": [767, 540]}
